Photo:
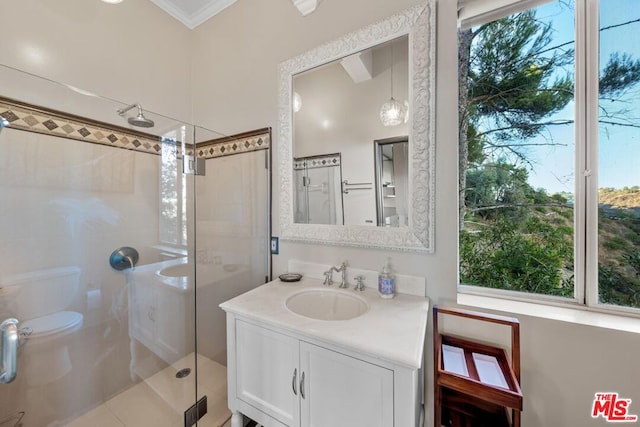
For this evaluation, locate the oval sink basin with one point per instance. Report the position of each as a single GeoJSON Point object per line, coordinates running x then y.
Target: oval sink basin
{"type": "Point", "coordinates": [327, 305]}
{"type": "Point", "coordinates": [180, 270]}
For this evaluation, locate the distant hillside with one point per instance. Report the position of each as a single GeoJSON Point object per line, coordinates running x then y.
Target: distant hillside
{"type": "Point", "coordinates": [625, 198]}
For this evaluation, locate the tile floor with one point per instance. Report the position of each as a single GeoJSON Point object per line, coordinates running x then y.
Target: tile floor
{"type": "Point", "coordinates": [160, 400]}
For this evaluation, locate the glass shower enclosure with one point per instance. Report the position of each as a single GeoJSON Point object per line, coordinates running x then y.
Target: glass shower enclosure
{"type": "Point", "coordinates": [318, 189]}
{"type": "Point", "coordinates": [117, 243]}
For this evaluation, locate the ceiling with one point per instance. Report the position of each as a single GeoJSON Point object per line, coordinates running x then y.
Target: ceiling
{"type": "Point", "coordinates": [193, 12]}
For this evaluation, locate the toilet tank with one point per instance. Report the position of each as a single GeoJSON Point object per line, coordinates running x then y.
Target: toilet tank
{"type": "Point", "coordinates": [41, 292]}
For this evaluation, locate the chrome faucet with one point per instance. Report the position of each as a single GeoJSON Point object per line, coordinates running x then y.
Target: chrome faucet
{"type": "Point", "coordinates": [328, 275]}
{"type": "Point", "coordinates": [343, 270]}
{"type": "Point", "coordinates": [360, 283]}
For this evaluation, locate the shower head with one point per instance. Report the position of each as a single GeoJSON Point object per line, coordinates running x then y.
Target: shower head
{"type": "Point", "coordinates": [140, 120]}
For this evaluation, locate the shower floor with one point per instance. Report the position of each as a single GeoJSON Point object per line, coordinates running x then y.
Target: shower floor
{"type": "Point", "coordinates": [160, 400]}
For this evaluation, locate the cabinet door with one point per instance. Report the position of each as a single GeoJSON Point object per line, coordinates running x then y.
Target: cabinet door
{"type": "Point", "coordinates": [340, 391]}
{"type": "Point", "coordinates": [141, 312]}
{"type": "Point", "coordinates": [266, 363]}
{"type": "Point", "coordinates": [173, 315]}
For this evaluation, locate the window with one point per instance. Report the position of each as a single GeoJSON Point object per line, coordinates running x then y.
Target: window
{"type": "Point", "coordinates": [173, 192]}
{"type": "Point", "coordinates": [549, 147]}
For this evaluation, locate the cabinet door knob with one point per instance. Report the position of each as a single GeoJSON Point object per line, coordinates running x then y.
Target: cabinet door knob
{"type": "Point", "coordinates": [294, 381]}
{"type": "Point", "coordinates": [302, 386]}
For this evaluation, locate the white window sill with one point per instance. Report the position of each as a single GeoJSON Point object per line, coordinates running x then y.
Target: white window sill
{"type": "Point", "coordinates": [581, 315]}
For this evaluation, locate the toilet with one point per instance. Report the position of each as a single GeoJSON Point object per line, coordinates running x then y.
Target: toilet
{"type": "Point", "coordinates": [39, 300]}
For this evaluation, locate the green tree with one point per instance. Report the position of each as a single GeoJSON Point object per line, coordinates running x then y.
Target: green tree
{"type": "Point", "coordinates": [512, 80]}
{"type": "Point", "coordinates": [507, 87]}
{"type": "Point", "coordinates": [528, 257]}
{"type": "Point", "coordinates": [498, 189]}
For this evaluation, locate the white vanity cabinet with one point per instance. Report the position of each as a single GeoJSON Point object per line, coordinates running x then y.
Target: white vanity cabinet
{"type": "Point", "coordinates": [267, 373]}
{"type": "Point", "coordinates": [340, 390]}
{"type": "Point", "coordinates": [288, 368]}
{"type": "Point", "coordinates": [280, 379]}
{"type": "Point", "coordinates": [153, 321]}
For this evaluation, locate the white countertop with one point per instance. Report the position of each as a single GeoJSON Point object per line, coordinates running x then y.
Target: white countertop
{"type": "Point", "coordinates": [392, 329]}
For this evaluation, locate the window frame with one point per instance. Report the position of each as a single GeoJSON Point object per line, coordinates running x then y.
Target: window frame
{"type": "Point", "coordinates": [586, 128]}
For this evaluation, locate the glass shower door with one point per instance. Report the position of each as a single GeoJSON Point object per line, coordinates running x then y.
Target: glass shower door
{"type": "Point", "coordinates": [318, 189]}
{"type": "Point", "coordinates": [232, 197]}
{"type": "Point", "coordinates": [97, 260]}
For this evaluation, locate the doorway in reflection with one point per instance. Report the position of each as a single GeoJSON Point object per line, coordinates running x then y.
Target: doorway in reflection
{"type": "Point", "coordinates": [392, 164]}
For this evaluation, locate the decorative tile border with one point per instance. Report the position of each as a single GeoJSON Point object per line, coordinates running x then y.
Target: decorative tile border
{"type": "Point", "coordinates": [311, 162]}
{"type": "Point", "coordinates": [259, 139]}
{"type": "Point", "coordinates": [32, 118]}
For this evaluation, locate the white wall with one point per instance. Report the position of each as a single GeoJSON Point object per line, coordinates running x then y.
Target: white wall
{"type": "Point", "coordinates": [131, 52]}
{"type": "Point", "coordinates": [563, 364]}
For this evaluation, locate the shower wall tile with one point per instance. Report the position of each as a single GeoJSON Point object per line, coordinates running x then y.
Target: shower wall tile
{"type": "Point", "coordinates": [69, 203]}
{"type": "Point", "coordinates": [30, 118]}
{"type": "Point", "coordinates": [316, 162]}
{"type": "Point", "coordinates": [46, 162]}
{"type": "Point", "coordinates": [233, 145]}
{"type": "Point", "coordinates": [26, 117]}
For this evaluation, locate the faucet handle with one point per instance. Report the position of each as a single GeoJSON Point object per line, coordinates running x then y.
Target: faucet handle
{"type": "Point", "coordinates": [328, 280]}
{"type": "Point", "coordinates": [359, 283]}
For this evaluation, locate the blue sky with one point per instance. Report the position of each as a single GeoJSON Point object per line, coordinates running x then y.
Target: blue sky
{"type": "Point", "coordinates": [619, 148]}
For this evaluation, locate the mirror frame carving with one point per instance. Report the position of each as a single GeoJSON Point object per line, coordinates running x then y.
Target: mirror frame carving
{"type": "Point", "coordinates": [419, 23]}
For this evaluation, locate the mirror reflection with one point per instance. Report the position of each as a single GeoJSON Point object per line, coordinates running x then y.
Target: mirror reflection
{"type": "Point", "coordinates": [392, 163]}
{"type": "Point", "coordinates": [318, 189]}
{"type": "Point", "coordinates": [348, 117]}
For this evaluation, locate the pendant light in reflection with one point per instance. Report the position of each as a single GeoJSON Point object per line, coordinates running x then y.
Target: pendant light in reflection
{"type": "Point", "coordinates": [394, 112]}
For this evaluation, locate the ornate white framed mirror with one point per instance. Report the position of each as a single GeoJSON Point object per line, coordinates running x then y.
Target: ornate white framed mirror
{"type": "Point", "coordinates": [408, 36]}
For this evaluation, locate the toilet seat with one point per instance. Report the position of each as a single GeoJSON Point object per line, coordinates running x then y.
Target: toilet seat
{"type": "Point", "coordinates": [54, 323]}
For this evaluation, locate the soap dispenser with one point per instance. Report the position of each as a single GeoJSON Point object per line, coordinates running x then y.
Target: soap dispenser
{"type": "Point", "coordinates": [386, 281]}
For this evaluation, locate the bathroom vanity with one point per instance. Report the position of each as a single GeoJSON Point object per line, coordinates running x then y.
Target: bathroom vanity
{"type": "Point", "coordinates": [162, 306]}
{"type": "Point", "coordinates": [305, 354]}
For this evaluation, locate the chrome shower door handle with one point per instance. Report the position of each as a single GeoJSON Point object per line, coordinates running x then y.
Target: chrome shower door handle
{"type": "Point", "coordinates": [9, 344]}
